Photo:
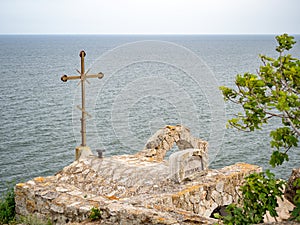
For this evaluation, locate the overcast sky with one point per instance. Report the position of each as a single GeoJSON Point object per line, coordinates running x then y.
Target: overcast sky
{"type": "Point", "coordinates": [149, 16]}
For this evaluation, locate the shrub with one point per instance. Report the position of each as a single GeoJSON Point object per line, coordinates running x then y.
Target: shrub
{"type": "Point", "coordinates": [274, 92]}
{"type": "Point", "coordinates": [95, 214]}
{"type": "Point", "coordinates": [296, 212]}
{"type": "Point", "coordinates": [7, 206]}
{"type": "Point", "coordinates": [260, 194]}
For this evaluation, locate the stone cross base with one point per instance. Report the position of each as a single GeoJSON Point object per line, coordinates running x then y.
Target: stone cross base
{"type": "Point", "coordinates": [82, 152]}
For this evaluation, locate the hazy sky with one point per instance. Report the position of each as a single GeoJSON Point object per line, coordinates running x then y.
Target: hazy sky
{"type": "Point", "coordinates": [149, 16]}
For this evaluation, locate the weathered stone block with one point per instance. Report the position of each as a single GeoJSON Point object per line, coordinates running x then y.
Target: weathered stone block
{"type": "Point", "coordinates": [185, 163]}
{"type": "Point", "coordinates": [220, 186]}
{"type": "Point", "coordinates": [56, 208]}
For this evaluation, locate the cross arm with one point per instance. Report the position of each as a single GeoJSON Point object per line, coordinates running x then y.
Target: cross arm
{"type": "Point", "coordinates": [65, 78]}
{"type": "Point", "coordinates": [99, 75]}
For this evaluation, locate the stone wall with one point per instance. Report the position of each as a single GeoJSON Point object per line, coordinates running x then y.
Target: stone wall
{"type": "Point", "coordinates": [144, 188]}
{"type": "Point", "coordinates": [129, 190]}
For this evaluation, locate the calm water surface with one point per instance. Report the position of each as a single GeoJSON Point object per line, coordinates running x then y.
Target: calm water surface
{"type": "Point", "coordinates": [40, 128]}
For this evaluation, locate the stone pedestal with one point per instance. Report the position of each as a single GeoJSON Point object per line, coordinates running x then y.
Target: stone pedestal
{"type": "Point", "coordinates": [82, 152]}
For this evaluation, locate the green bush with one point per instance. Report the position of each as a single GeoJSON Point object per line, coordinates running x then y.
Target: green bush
{"type": "Point", "coordinates": [274, 92]}
{"type": "Point", "coordinates": [7, 206]}
{"type": "Point", "coordinates": [296, 212]}
{"type": "Point", "coordinates": [95, 214]}
{"type": "Point", "coordinates": [260, 194]}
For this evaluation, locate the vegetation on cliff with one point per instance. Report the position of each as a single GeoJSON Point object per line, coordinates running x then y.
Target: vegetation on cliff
{"type": "Point", "coordinates": [272, 93]}
{"type": "Point", "coordinates": [8, 213]}
{"type": "Point", "coordinates": [7, 206]}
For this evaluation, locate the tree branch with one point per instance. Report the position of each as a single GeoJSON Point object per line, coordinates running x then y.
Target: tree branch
{"type": "Point", "coordinates": [244, 129]}
{"type": "Point", "coordinates": [287, 118]}
{"type": "Point", "coordinates": [274, 114]}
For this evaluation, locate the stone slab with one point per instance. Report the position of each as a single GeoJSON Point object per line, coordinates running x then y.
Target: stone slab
{"type": "Point", "coordinates": [186, 163]}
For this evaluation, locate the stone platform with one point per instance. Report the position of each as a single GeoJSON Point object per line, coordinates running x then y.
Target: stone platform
{"type": "Point", "coordinates": [144, 188]}
{"type": "Point", "coordinates": [129, 191]}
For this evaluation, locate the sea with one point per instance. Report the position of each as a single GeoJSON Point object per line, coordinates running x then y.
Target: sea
{"type": "Point", "coordinates": [150, 81]}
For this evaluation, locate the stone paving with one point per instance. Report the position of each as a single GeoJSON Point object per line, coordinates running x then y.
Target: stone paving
{"type": "Point", "coordinates": [127, 194]}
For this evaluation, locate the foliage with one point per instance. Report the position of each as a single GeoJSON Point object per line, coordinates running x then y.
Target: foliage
{"type": "Point", "coordinates": [95, 214]}
{"type": "Point", "coordinates": [260, 194]}
{"type": "Point", "coordinates": [296, 212]}
{"type": "Point", "coordinates": [33, 220]}
{"type": "Point", "coordinates": [8, 213]}
{"type": "Point", "coordinates": [272, 93]}
{"type": "Point", "coordinates": [7, 206]}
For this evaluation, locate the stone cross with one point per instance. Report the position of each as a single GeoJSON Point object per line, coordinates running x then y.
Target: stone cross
{"type": "Point", "coordinates": [83, 77]}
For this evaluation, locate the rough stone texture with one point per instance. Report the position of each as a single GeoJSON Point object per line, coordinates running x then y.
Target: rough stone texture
{"type": "Point", "coordinates": [283, 210]}
{"type": "Point", "coordinates": [186, 162]}
{"type": "Point", "coordinates": [164, 139]}
{"type": "Point", "coordinates": [129, 190]}
{"type": "Point", "coordinates": [290, 190]}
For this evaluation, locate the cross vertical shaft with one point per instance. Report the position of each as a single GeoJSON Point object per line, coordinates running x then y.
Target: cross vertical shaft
{"type": "Point", "coordinates": [83, 117]}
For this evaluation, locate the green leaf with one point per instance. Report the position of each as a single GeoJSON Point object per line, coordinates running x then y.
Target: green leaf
{"type": "Point", "coordinates": [217, 216]}
{"type": "Point", "coordinates": [285, 42]}
{"type": "Point", "coordinates": [277, 158]}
